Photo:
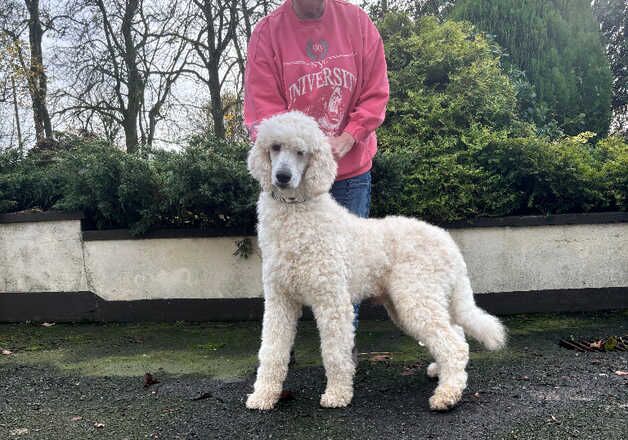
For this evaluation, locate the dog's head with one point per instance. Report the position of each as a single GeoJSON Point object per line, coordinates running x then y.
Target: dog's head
{"type": "Point", "coordinates": [292, 154]}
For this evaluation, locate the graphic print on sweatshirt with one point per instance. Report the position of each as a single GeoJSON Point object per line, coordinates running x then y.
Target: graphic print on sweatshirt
{"type": "Point", "coordinates": [323, 86]}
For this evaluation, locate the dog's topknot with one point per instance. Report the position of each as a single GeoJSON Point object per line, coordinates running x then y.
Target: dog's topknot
{"type": "Point", "coordinates": [292, 128]}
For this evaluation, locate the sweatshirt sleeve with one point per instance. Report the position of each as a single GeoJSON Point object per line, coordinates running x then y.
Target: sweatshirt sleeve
{"type": "Point", "coordinates": [370, 107]}
{"type": "Point", "coordinates": [263, 95]}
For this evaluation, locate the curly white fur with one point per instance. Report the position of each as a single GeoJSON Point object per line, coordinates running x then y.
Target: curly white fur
{"type": "Point", "coordinates": [317, 253]}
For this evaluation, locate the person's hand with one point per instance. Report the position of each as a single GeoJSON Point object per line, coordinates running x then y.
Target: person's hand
{"type": "Point", "coordinates": [341, 145]}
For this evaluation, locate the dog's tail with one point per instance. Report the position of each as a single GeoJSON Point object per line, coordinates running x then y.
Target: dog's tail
{"type": "Point", "coordinates": [476, 322]}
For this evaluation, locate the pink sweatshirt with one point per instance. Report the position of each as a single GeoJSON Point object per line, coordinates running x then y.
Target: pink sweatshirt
{"type": "Point", "coordinates": [332, 68]}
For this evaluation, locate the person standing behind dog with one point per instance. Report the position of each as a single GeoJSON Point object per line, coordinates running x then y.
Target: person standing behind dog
{"type": "Point", "coordinates": [326, 59]}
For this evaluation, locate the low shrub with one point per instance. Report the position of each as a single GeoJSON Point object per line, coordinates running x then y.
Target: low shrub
{"type": "Point", "coordinates": [488, 173]}
{"type": "Point", "coordinates": [208, 185]}
{"type": "Point", "coordinates": [204, 185]}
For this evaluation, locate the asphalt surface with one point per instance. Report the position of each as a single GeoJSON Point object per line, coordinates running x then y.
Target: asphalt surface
{"type": "Point", "coordinates": [86, 381]}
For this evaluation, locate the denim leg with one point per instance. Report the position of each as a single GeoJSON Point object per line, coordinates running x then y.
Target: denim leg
{"type": "Point", "coordinates": [354, 194]}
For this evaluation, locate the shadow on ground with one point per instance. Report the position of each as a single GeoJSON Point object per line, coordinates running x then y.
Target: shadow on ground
{"type": "Point", "coordinates": [86, 381]}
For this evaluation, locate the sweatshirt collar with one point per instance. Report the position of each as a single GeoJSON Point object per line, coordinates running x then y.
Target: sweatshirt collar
{"type": "Point", "coordinates": [306, 21]}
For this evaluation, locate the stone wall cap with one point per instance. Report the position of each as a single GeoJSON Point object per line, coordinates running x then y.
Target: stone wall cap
{"type": "Point", "coordinates": [37, 215]}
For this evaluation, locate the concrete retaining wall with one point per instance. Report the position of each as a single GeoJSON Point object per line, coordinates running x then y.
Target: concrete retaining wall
{"type": "Point", "coordinates": [42, 256]}
{"type": "Point", "coordinates": [56, 256]}
{"type": "Point", "coordinates": [509, 259]}
{"type": "Point", "coordinates": [200, 267]}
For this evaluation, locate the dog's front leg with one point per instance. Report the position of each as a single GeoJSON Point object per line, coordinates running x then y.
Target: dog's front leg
{"type": "Point", "coordinates": [335, 324]}
{"type": "Point", "coordinates": [279, 327]}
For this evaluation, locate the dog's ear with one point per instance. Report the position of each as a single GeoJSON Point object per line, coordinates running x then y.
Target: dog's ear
{"type": "Point", "coordinates": [259, 166]}
{"type": "Point", "coordinates": [321, 172]}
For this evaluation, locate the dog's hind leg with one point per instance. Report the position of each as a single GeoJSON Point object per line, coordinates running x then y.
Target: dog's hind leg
{"type": "Point", "coordinates": [334, 319]}
{"type": "Point", "coordinates": [278, 330]}
{"type": "Point", "coordinates": [423, 313]}
{"type": "Point", "coordinates": [392, 312]}
{"type": "Point", "coordinates": [432, 369]}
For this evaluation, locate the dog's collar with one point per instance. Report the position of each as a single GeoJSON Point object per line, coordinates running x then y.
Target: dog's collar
{"type": "Point", "coordinates": [280, 198]}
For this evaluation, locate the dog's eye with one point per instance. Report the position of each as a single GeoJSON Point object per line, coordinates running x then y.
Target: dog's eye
{"type": "Point", "coordinates": [300, 153]}
{"type": "Point", "coordinates": [275, 147]}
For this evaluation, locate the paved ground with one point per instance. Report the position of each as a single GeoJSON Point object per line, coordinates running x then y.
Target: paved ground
{"type": "Point", "coordinates": [86, 381]}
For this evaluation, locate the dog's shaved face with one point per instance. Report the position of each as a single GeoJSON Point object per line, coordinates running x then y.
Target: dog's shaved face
{"type": "Point", "coordinates": [288, 165]}
{"type": "Point", "coordinates": [291, 157]}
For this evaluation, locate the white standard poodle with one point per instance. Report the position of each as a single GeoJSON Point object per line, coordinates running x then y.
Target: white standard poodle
{"type": "Point", "coordinates": [316, 253]}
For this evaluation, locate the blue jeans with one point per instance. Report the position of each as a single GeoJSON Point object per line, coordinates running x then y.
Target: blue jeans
{"type": "Point", "coordinates": [354, 194]}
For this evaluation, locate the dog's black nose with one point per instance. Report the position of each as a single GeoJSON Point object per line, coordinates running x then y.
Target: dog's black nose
{"type": "Point", "coordinates": [283, 177]}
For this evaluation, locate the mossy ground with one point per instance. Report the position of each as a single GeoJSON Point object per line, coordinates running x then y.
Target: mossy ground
{"type": "Point", "coordinates": [532, 389]}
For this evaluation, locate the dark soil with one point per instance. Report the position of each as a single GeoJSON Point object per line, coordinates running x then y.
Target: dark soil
{"type": "Point", "coordinates": [87, 381]}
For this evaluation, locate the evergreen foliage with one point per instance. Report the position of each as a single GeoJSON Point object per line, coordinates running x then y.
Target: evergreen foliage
{"type": "Point", "coordinates": [557, 43]}
{"type": "Point", "coordinates": [454, 144]}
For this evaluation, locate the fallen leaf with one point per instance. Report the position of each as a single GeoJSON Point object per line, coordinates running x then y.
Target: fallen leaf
{"type": "Point", "coordinates": [18, 431]}
{"type": "Point", "coordinates": [621, 373]}
{"type": "Point", "coordinates": [596, 344]}
{"type": "Point", "coordinates": [149, 380]}
{"type": "Point", "coordinates": [6, 352]}
{"type": "Point", "coordinates": [47, 324]}
{"type": "Point", "coordinates": [76, 418]}
{"type": "Point", "coordinates": [99, 425]}
{"type": "Point", "coordinates": [411, 370]}
{"type": "Point", "coordinates": [286, 395]}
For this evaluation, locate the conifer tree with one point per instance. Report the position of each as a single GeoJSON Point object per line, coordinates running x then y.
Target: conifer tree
{"type": "Point", "coordinates": [557, 43]}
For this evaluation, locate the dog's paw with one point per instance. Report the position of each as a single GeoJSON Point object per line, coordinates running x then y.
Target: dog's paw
{"type": "Point", "coordinates": [261, 401]}
{"type": "Point", "coordinates": [336, 399]}
{"type": "Point", "coordinates": [445, 397]}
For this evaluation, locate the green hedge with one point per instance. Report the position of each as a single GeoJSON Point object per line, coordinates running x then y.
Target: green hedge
{"type": "Point", "coordinates": [206, 185]}
{"type": "Point", "coordinates": [26, 182]}
{"type": "Point", "coordinates": [458, 143]}
{"type": "Point", "coordinates": [495, 175]}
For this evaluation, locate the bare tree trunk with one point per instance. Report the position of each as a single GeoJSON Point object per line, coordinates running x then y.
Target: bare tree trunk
{"type": "Point", "coordinates": [135, 82]}
{"type": "Point", "coordinates": [217, 44]}
{"type": "Point", "coordinates": [37, 78]}
{"type": "Point", "coordinates": [240, 51]}
{"type": "Point", "coordinates": [16, 110]}
{"type": "Point", "coordinates": [216, 100]}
